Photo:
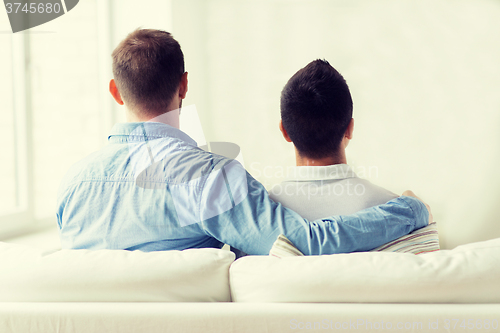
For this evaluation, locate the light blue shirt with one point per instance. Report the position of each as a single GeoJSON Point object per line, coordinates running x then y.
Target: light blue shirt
{"type": "Point", "coordinates": [152, 189]}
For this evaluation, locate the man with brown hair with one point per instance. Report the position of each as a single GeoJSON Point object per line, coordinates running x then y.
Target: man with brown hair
{"type": "Point", "coordinates": [151, 188]}
{"type": "Point", "coordinates": [148, 67]}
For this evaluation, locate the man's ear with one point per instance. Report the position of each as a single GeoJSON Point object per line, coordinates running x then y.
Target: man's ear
{"type": "Point", "coordinates": [114, 92]}
{"type": "Point", "coordinates": [348, 134]}
{"type": "Point", "coordinates": [283, 131]}
{"type": "Point", "coordinates": [350, 130]}
{"type": "Point", "coordinates": [183, 86]}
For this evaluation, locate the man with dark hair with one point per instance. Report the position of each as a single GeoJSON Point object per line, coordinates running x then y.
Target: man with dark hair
{"type": "Point", "coordinates": [151, 188]}
{"type": "Point", "coordinates": [316, 116]}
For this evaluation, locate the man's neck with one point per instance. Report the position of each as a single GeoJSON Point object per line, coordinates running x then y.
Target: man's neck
{"type": "Point", "coordinates": [331, 160]}
{"type": "Point", "coordinates": [170, 117]}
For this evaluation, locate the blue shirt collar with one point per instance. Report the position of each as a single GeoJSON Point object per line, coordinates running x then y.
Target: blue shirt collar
{"type": "Point", "coordinates": [144, 131]}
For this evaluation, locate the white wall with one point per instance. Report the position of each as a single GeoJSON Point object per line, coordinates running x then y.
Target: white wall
{"type": "Point", "coordinates": [424, 76]}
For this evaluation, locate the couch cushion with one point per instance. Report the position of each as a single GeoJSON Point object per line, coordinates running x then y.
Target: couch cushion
{"type": "Point", "coordinates": [196, 275]}
{"type": "Point", "coordinates": [420, 241]}
{"type": "Point", "coordinates": [466, 274]}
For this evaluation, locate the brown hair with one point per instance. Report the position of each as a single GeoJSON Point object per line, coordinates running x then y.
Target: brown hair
{"type": "Point", "coordinates": [147, 68]}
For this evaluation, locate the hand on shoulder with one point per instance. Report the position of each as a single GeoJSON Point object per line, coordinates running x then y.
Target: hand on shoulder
{"type": "Point", "coordinates": [409, 193]}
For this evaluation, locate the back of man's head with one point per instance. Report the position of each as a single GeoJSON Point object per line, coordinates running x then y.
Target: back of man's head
{"type": "Point", "coordinates": [316, 109]}
{"type": "Point", "coordinates": [147, 68]}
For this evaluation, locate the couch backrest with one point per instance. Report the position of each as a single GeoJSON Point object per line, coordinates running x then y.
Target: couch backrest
{"type": "Point", "coordinates": [196, 275]}
{"type": "Point", "coordinates": [466, 274]}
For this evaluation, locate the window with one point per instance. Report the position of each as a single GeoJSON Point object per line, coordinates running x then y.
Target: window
{"type": "Point", "coordinates": [51, 115]}
{"type": "Point", "coordinates": [55, 105]}
{"type": "Point", "coordinates": [15, 206]}
{"type": "Point", "coordinates": [9, 198]}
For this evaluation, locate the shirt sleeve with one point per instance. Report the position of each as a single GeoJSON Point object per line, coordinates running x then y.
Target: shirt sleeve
{"type": "Point", "coordinates": [251, 221]}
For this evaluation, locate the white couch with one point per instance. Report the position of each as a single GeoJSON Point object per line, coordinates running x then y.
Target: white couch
{"type": "Point", "coordinates": [205, 290]}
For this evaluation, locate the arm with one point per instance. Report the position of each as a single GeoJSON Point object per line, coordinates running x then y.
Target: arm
{"type": "Point", "coordinates": [253, 221]}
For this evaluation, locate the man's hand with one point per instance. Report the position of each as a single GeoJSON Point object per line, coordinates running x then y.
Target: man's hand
{"type": "Point", "coordinates": [409, 193]}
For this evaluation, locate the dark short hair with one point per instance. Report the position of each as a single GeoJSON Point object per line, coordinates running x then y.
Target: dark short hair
{"type": "Point", "coordinates": [147, 67]}
{"type": "Point", "coordinates": [316, 109]}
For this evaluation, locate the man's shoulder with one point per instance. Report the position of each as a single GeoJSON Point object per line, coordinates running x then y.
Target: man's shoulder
{"type": "Point", "coordinates": [320, 198]}
{"type": "Point", "coordinates": [93, 166]}
{"type": "Point", "coordinates": [281, 191]}
{"type": "Point", "coordinates": [120, 163]}
{"type": "Point", "coordinates": [294, 195]}
{"type": "Point", "coordinates": [373, 191]}
{"type": "Point", "coordinates": [275, 192]}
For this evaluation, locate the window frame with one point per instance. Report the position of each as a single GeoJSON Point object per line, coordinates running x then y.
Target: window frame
{"type": "Point", "coordinates": [20, 219]}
